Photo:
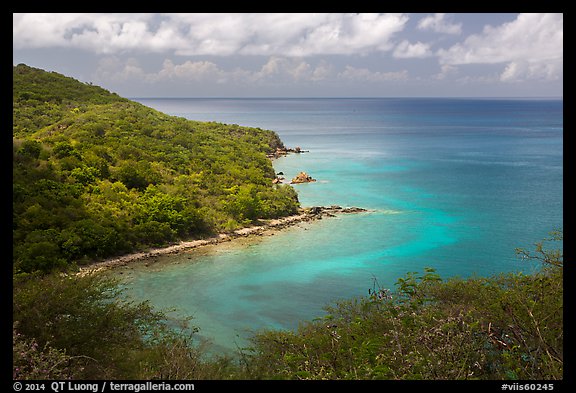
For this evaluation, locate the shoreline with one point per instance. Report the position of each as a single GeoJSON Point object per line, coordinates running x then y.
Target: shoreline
{"type": "Point", "coordinates": [271, 225]}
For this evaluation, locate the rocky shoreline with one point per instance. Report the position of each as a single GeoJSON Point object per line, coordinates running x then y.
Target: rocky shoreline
{"type": "Point", "coordinates": [284, 151]}
{"type": "Point", "coordinates": [264, 227]}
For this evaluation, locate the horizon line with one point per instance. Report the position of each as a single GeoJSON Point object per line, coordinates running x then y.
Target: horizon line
{"type": "Point", "coordinates": [344, 97]}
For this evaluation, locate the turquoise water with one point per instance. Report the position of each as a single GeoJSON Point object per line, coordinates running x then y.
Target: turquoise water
{"type": "Point", "coordinates": [454, 184]}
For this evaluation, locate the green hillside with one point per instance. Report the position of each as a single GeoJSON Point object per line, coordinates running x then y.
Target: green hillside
{"type": "Point", "coordinates": [97, 175]}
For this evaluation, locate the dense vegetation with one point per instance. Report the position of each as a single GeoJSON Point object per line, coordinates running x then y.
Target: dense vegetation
{"type": "Point", "coordinates": [504, 327]}
{"type": "Point", "coordinates": [96, 175]}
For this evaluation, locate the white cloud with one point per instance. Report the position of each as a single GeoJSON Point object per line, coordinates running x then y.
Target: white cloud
{"type": "Point", "coordinates": [366, 75]}
{"type": "Point", "coordinates": [445, 71]}
{"type": "Point", "coordinates": [517, 71]}
{"type": "Point", "coordinates": [275, 71]}
{"type": "Point", "coordinates": [531, 46]}
{"type": "Point", "coordinates": [211, 34]}
{"type": "Point", "coordinates": [406, 50]}
{"type": "Point", "coordinates": [290, 69]}
{"type": "Point", "coordinates": [102, 33]}
{"type": "Point", "coordinates": [350, 34]}
{"type": "Point", "coordinates": [439, 24]}
{"type": "Point", "coordinates": [190, 71]}
{"type": "Point", "coordinates": [282, 68]}
{"type": "Point", "coordinates": [113, 69]}
{"type": "Point", "coordinates": [321, 72]}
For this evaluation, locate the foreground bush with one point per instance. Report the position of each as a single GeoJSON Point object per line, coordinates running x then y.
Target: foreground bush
{"type": "Point", "coordinates": [82, 328]}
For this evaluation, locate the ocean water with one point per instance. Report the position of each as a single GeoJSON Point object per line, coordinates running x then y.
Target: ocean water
{"type": "Point", "coordinates": [453, 184]}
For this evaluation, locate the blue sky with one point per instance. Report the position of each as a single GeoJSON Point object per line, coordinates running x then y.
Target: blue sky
{"type": "Point", "coordinates": [300, 55]}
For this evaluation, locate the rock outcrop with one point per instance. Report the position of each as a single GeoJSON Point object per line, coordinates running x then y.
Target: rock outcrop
{"type": "Point", "coordinates": [302, 177]}
{"type": "Point", "coordinates": [284, 151]}
{"type": "Point", "coordinates": [317, 212]}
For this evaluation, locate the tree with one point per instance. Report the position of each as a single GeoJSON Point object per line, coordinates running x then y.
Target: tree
{"type": "Point", "coordinates": [30, 148]}
{"type": "Point", "coordinates": [553, 257]}
{"type": "Point", "coordinates": [243, 203]}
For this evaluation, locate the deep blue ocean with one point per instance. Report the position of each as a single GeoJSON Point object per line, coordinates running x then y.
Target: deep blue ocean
{"type": "Point", "coordinates": [452, 184]}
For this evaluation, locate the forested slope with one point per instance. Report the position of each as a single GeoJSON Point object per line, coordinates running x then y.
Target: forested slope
{"type": "Point", "coordinates": [96, 175]}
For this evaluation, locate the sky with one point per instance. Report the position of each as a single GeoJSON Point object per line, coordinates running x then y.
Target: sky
{"type": "Point", "coordinates": [299, 55]}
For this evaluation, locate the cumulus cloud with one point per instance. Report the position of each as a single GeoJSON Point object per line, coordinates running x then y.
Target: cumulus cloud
{"type": "Point", "coordinates": [211, 34]}
{"type": "Point", "coordinates": [313, 49]}
{"type": "Point", "coordinates": [103, 33]}
{"type": "Point", "coordinates": [113, 69]}
{"type": "Point", "coordinates": [275, 70]}
{"type": "Point", "coordinates": [531, 46]}
{"type": "Point", "coordinates": [522, 70]}
{"type": "Point", "coordinates": [439, 24]}
{"type": "Point", "coordinates": [366, 75]}
{"type": "Point", "coordinates": [406, 50]}
{"type": "Point", "coordinates": [445, 71]}
{"type": "Point", "coordinates": [190, 71]}
{"type": "Point", "coordinates": [284, 68]}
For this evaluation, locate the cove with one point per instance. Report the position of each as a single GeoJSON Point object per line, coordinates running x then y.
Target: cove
{"type": "Point", "coordinates": [452, 184]}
